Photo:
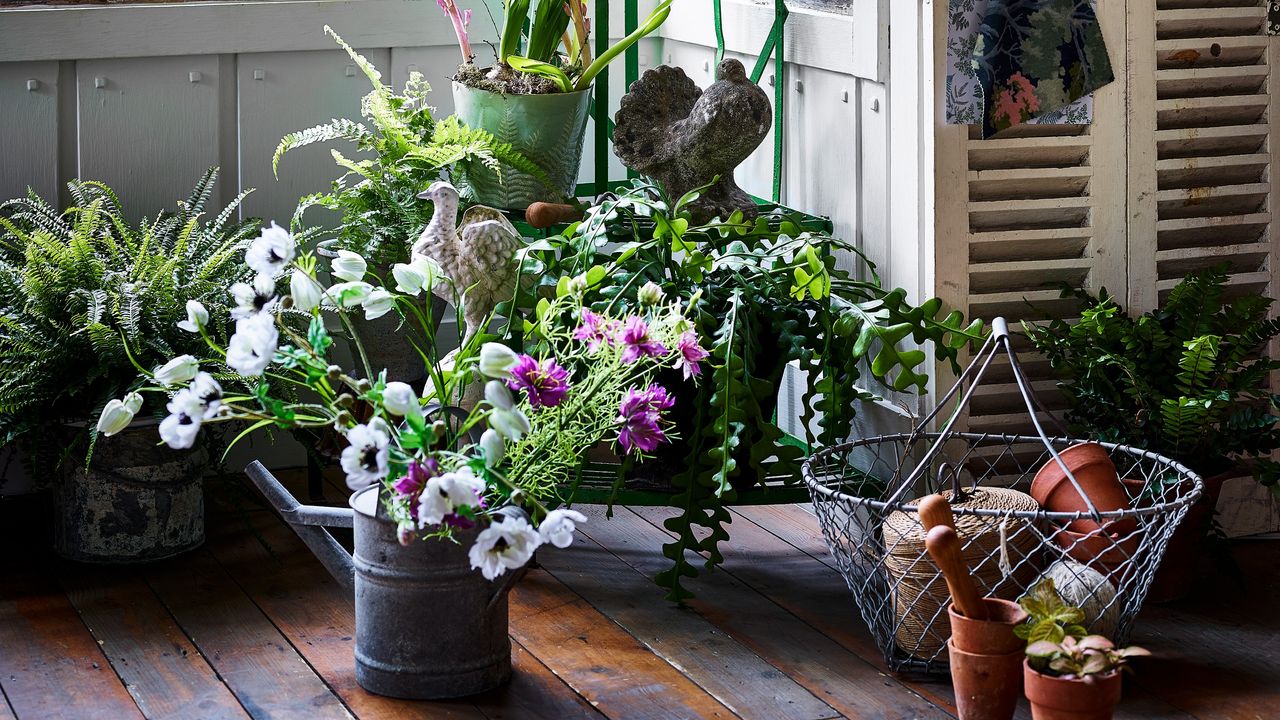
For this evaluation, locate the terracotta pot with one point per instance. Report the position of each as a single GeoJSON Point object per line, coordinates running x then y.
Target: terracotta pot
{"type": "Point", "coordinates": [1055, 698]}
{"type": "Point", "coordinates": [986, 686]}
{"type": "Point", "coordinates": [986, 661]}
{"type": "Point", "coordinates": [993, 636]}
{"type": "Point", "coordinates": [1100, 550]}
{"type": "Point", "coordinates": [1093, 469]}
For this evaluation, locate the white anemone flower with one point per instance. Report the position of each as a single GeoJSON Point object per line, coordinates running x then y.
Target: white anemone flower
{"type": "Point", "coordinates": [445, 493]}
{"type": "Point", "coordinates": [255, 299]}
{"type": "Point", "coordinates": [496, 359]}
{"type": "Point", "coordinates": [304, 290]}
{"type": "Point", "coordinates": [505, 545]}
{"type": "Point", "coordinates": [271, 252]}
{"type": "Point", "coordinates": [178, 371]}
{"type": "Point", "coordinates": [197, 317]}
{"type": "Point", "coordinates": [379, 303]}
{"type": "Point", "coordinates": [511, 424]}
{"type": "Point", "coordinates": [365, 459]}
{"type": "Point", "coordinates": [419, 275]}
{"type": "Point", "coordinates": [346, 295]}
{"type": "Point", "coordinates": [494, 447]}
{"type": "Point", "coordinates": [400, 399]}
{"type": "Point", "coordinates": [186, 412]}
{"type": "Point", "coordinates": [252, 346]}
{"type": "Point", "coordinates": [557, 528]}
{"type": "Point", "coordinates": [349, 266]}
{"type": "Point", "coordinates": [117, 414]}
{"type": "Point", "coordinates": [209, 391]}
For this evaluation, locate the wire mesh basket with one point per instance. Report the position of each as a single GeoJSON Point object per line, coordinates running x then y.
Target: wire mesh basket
{"type": "Point", "coordinates": [1101, 560]}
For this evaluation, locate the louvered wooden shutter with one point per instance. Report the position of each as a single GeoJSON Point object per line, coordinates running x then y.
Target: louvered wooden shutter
{"type": "Point", "coordinates": [1174, 174]}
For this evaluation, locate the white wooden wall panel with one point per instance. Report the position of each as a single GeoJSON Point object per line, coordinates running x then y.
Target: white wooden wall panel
{"type": "Point", "coordinates": [146, 128]}
{"type": "Point", "coordinates": [295, 91]}
{"type": "Point", "coordinates": [28, 128]}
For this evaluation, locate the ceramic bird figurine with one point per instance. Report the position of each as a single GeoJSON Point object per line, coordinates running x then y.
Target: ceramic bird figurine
{"type": "Point", "coordinates": [685, 137]}
{"type": "Point", "coordinates": [477, 254]}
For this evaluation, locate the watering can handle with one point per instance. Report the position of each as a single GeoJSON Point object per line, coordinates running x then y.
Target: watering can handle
{"type": "Point", "coordinates": [309, 522]}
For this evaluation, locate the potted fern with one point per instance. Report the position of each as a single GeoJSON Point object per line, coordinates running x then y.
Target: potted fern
{"type": "Point", "coordinates": [537, 95]}
{"type": "Point", "coordinates": [86, 300]}
{"type": "Point", "coordinates": [1187, 380]}
{"type": "Point", "coordinates": [381, 213]}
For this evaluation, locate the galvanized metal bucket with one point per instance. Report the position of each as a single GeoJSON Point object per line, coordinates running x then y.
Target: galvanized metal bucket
{"type": "Point", "coordinates": [547, 129]}
{"type": "Point", "coordinates": [137, 501]}
{"type": "Point", "coordinates": [427, 625]}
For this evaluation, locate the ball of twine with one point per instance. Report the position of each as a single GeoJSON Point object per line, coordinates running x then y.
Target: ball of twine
{"type": "Point", "coordinates": [920, 594]}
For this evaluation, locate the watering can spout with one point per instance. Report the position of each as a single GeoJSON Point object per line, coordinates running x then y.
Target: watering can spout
{"type": "Point", "coordinates": [309, 522]}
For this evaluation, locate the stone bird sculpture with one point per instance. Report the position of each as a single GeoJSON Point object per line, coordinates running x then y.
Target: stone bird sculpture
{"type": "Point", "coordinates": [683, 137]}
{"type": "Point", "coordinates": [476, 254]}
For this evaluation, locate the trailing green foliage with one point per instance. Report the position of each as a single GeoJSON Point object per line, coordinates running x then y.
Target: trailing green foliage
{"type": "Point", "coordinates": [407, 149]}
{"type": "Point", "coordinates": [82, 291]}
{"type": "Point", "coordinates": [763, 293]}
{"type": "Point", "coordinates": [1188, 380]}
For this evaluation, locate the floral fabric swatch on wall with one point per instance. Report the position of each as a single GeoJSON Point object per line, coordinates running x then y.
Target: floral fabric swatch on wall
{"type": "Point", "coordinates": [1011, 62]}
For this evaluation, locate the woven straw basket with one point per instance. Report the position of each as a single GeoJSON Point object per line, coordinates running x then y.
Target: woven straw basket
{"type": "Point", "coordinates": [920, 595]}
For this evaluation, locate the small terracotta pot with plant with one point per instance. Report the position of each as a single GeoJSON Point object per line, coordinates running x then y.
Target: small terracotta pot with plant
{"type": "Point", "coordinates": [1076, 679]}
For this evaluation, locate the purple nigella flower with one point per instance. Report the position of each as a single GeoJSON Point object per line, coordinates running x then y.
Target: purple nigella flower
{"type": "Point", "coordinates": [635, 336]}
{"type": "Point", "coordinates": [640, 414]}
{"type": "Point", "coordinates": [543, 381]}
{"type": "Point", "coordinates": [691, 353]}
{"type": "Point", "coordinates": [416, 477]}
{"type": "Point", "coordinates": [596, 330]}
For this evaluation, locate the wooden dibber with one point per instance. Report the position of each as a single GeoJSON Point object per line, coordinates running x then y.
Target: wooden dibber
{"type": "Point", "coordinates": [543, 215]}
{"type": "Point", "coordinates": [944, 546]}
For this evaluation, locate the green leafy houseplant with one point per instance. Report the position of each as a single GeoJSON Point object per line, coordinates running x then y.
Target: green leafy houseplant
{"type": "Point", "coordinates": [1082, 658]}
{"type": "Point", "coordinates": [1187, 380]}
{"type": "Point", "coordinates": [1048, 617]}
{"type": "Point", "coordinates": [85, 298]}
{"type": "Point", "coordinates": [764, 293]}
{"type": "Point", "coordinates": [377, 197]}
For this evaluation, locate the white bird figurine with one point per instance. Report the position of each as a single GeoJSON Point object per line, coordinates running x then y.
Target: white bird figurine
{"type": "Point", "coordinates": [477, 255]}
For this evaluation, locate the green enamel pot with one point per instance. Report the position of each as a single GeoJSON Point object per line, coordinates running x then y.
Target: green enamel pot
{"type": "Point", "coordinates": [547, 129]}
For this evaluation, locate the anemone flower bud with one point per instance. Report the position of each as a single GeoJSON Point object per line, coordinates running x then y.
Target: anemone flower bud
{"type": "Point", "coordinates": [494, 447]}
{"type": "Point", "coordinates": [197, 317]}
{"type": "Point", "coordinates": [496, 359]}
{"type": "Point", "coordinates": [511, 424]}
{"type": "Point", "coordinates": [117, 415]}
{"type": "Point", "coordinates": [178, 371]}
{"type": "Point", "coordinates": [400, 399]}
{"type": "Point", "coordinates": [497, 394]}
{"type": "Point", "coordinates": [379, 303]}
{"type": "Point", "coordinates": [349, 266]}
{"type": "Point", "coordinates": [304, 290]}
{"type": "Point", "coordinates": [650, 293]}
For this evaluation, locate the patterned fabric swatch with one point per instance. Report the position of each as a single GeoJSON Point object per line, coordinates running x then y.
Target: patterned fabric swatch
{"type": "Point", "coordinates": [1011, 62]}
{"type": "Point", "coordinates": [1273, 17]}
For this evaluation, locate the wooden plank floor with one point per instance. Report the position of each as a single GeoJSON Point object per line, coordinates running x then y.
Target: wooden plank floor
{"type": "Point", "coordinates": [251, 626]}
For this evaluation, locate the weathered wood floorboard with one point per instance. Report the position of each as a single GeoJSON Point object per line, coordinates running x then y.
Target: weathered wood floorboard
{"type": "Point", "coordinates": [838, 677]}
{"type": "Point", "coordinates": [163, 671]}
{"type": "Point", "coordinates": [248, 652]}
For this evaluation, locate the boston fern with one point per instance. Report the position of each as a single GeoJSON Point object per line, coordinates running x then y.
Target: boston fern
{"type": "Point", "coordinates": [409, 149]}
{"type": "Point", "coordinates": [1188, 380]}
{"type": "Point", "coordinates": [766, 294]}
{"type": "Point", "coordinates": [83, 290]}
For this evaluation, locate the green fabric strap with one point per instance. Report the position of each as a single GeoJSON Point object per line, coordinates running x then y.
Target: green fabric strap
{"type": "Point", "coordinates": [631, 21]}
{"type": "Point", "coordinates": [715, 8]}
{"type": "Point", "coordinates": [600, 114]}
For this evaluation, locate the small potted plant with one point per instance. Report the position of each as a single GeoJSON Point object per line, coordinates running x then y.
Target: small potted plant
{"type": "Point", "coordinates": [1187, 380]}
{"type": "Point", "coordinates": [536, 96]}
{"type": "Point", "coordinates": [86, 300]}
{"type": "Point", "coordinates": [1075, 678]}
{"type": "Point", "coordinates": [439, 489]}
{"type": "Point", "coordinates": [381, 214]}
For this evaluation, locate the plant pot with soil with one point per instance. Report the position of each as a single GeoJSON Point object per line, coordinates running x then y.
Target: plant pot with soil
{"type": "Point", "coordinates": [535, 98]}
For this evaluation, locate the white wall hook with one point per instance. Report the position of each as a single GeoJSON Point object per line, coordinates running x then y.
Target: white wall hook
{"type": "Point", "coordinates": [194, 76]}
{"type": "Point", "coordinates": [99, 82]}
{"type": "Point", "coordinates": [33, 85]}
{"type": "Point", "coordinates": [259, 74]}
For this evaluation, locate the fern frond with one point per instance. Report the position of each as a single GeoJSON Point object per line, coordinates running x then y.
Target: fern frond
{"type": "Point", "coordinates": [335, 129]}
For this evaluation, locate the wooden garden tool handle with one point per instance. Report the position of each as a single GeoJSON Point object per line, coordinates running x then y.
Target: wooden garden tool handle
{"type": "Point", "coordinates": [943, 545]}
{"type": "Point", "coordinates": [934, 511]}
{"type": "Point", "coordinates": [543, 215]}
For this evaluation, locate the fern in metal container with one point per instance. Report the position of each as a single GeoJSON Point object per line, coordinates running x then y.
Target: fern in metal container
{"type": "Point", "coordinates": [82, 290]}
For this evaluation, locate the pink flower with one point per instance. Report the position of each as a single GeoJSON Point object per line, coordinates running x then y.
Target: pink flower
{"type": "Point", "coordinates": [460, 22]}
{"type": "Point", "coordinates": [416, 477]}
{"type": "Point", "coordinates": [596, 330]}
{"type": "Point", "coordinates": [638, 344]}
{"type": "Point", "coordinates": [640, 414]}
{"type": "Point", "coordinates": [543, 381]}
{"type": "Point", "coordinates": [691, 353]}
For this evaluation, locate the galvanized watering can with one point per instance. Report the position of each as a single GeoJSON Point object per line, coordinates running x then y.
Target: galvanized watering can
{"type": "Point", "coordinates": [427, 625]}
